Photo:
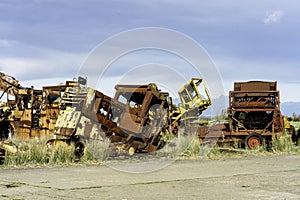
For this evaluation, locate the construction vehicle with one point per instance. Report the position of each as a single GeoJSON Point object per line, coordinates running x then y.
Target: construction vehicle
{"type": "Point", "coordinates": [254, 115]}
{"type": "Point", "coordinates": [140, 118]}
{"type": "Point", "coordinates": [195, 99]}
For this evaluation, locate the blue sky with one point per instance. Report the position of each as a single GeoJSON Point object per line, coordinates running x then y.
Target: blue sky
{"type": "Point", "coordinates": [46, 41]}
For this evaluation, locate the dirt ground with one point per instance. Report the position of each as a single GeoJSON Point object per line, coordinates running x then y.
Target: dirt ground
{"type": "Point", "coordinates": [272, 177]}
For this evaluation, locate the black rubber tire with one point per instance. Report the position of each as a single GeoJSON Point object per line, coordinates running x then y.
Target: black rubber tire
{"type": "Point", "coordinates": [79, 150]}
{"type": "Point", "coordinates": [296, 138]}
{"type": "Point", "coordinates": [254, 140]}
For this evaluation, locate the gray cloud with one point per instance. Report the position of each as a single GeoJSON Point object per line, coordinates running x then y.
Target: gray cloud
{"type": "Point", "coordinates": [47, 37]}
{"type": "Point", "coordinates": [26, 62]}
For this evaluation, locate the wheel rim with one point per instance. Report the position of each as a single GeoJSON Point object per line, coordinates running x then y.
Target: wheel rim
{"type": "Point", "coordinates": [254, 142]}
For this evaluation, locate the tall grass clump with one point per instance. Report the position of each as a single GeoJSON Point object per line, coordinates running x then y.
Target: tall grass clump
{"type": "Point", "coordinates": [96, 150]}
{"type": "Point", "coordinates": [61, 153]}
{"type": "Point", "coordinates": [177, 147]}
{"type": "Point", "coordinates": [193, 147]}
{"type": "Point", "coordinates": [284, 144]}
{"type": "Point", "coordinates": [36, 152]}
{"type": "Point", "coordinates": [185, 147]}
{"type": "Point", "coordinates": [30, 152]}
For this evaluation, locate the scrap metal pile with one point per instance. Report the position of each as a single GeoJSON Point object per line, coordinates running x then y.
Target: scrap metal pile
{"type": "Point", "coordinates": [139, 118]}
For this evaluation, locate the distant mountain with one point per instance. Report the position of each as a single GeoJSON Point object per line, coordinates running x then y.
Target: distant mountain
{"type": "Point", "coordinates": [218, 105]}
{"type": "Point", "coordinates": [288, 108]}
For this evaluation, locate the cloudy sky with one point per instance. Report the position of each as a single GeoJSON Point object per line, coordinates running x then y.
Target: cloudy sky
{"type": "Point", "coordinates": [47, 41]}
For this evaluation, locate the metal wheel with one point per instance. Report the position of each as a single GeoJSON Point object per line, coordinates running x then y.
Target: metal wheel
{"type": "Point", "coordinates": [254, 140]}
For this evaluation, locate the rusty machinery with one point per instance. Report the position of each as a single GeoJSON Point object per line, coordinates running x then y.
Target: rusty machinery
{"type": "Point", "coordinates": [195, 99]}
{"type": "Point", "coordinates": [253, 115]}
{"type": "Point", "coordinates": [139, 118]}
{"type": "Point", "coordinates": [27, 112]}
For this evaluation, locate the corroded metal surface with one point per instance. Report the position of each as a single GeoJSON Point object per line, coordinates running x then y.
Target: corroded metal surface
{"type": "Point", "coordinates": [139, 118]}
{"type": "Point", "coordinates": [254, 115]}
{"type": "Point", "coordinates": [27, 112]}
{"type": "Point", "coordinates": [254, 107]}
{"type": "Point", "coordinates": [135, 118]}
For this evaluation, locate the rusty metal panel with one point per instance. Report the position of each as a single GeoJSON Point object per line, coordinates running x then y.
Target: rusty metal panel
{"type": "Point", "coordinates": [130, 123]}
{"type": "Point", "coordinates": [67, 121]}
{"type": "Point", "coordinates": [89, 129]}
{"type": "Point", "coordinates": [255, 86]}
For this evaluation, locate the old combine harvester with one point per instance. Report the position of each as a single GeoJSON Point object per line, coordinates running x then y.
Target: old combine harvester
{"type": "Point", "coordinates": [140, 118]}
{"type": "Point", "coordinates": [253, 115]}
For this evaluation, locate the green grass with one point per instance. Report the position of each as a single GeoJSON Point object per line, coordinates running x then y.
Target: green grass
{"type": "Point", "coordinates": [36, 153]}
{"type": "Point", "coordinates": [32, 153]}
{"type": "Point", "coordinates": [96, 151]}
{"type": "Point", "coordinates": [191, 148]}
{"type": "Point", "coordinates": [181, 147]}
{"type": "Point", "coordinates": [284, 144]}
{"type": "Point", "coordinates": [296, 124]}
{"type": "Point", "coordinates": [188, 147]}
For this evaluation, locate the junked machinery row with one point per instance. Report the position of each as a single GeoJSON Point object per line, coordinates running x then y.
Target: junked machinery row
{"type": "Point", "coordinates": [139, 118]}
